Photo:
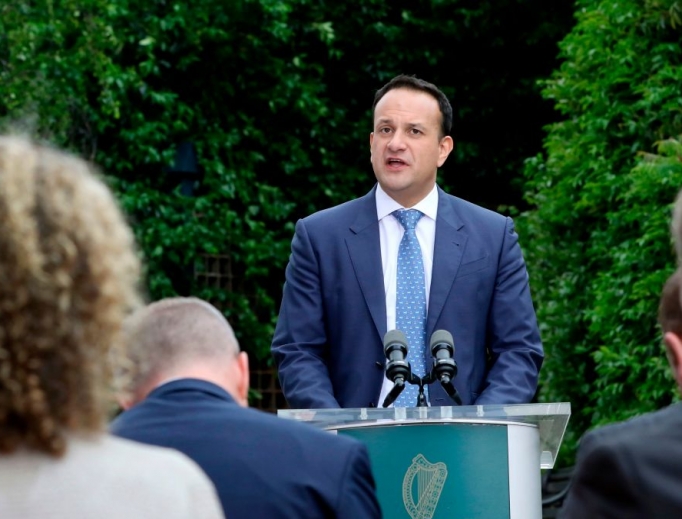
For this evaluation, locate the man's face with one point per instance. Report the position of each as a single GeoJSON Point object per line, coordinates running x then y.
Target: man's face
{"type": "Point", "coordinates": [406, 145]}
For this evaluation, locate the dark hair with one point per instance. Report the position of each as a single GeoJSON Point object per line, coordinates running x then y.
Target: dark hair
{"type": "Point", "coordinates": [670, 309]}
{"type": "Point", "coordinates": [414, 83]}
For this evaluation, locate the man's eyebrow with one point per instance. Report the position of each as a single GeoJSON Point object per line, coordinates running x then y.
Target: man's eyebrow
{"type": "Point", "coordinates": [388, 120]}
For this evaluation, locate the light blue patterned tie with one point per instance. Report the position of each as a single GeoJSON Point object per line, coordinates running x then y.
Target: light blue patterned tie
{"type": "Point", "coordinates": [411, 301]}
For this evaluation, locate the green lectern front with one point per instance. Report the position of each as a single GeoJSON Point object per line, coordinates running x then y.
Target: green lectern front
{"type": "Point", "coordinates": [468, 462]}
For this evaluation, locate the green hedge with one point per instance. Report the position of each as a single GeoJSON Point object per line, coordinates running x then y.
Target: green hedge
{"type": "Point", "coordinates": [275, 94]}
{"type": "Point", "coordinates": [598, 243]}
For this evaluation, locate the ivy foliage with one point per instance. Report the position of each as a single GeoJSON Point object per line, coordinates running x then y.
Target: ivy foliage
{"type": "Point", "coordinates": [275, 95]}
{"type": "Point", "coordinates": [598, 241]}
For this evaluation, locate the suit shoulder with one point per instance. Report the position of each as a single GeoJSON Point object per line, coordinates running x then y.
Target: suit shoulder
{"type": "Point", "coordinates": [303, 433]}
{"type": "Point", "coordinates": [343, 213]}
{"type": "Point", "coordinates": [469, 210]}
{"type": "Point", "coordinates": [639, 432]}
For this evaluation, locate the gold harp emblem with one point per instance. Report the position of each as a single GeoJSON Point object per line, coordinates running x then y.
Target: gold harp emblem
{"type": "Point", "coordinates": [430, 481]}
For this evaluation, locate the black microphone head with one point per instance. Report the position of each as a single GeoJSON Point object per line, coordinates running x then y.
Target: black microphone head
{"type": "Point", "coordinates": [395, 349]}
{"type": "Point", "coordinates": [393, 337]}
{"type": "Point", "coordinates": [442, 351]}
{"type": "Point", "coordinates": [395, 345]}
{"type": "Point", "coordinates": [441, 337]}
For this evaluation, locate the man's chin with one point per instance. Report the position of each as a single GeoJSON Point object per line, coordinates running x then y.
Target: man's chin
{"type": "Point", "coordinates": [394, 180]}
{"type": "Point", "coordinates": [394, 187]}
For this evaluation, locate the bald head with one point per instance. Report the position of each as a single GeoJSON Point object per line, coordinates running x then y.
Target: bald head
{"type": "Point", "coordinates": [184, 338]}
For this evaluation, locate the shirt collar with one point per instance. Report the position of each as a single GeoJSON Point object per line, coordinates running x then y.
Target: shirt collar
{"type": "Point", "coordinates": [386, 205]}
{"type": "Point", "coordinates": [190, 384]}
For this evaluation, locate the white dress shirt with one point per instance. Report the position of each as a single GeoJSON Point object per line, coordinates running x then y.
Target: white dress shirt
{"type": "Point", "coordinates": [390, 234]}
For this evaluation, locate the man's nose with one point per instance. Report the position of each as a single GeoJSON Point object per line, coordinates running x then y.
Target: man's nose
{"type": "Point", "coordinates": [397, 141]}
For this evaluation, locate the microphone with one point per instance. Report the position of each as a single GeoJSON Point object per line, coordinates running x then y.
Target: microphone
{"type": "Point", "coordinates": [444, 366]}
{"type": "Point", "coordinates": [442, 351]}
{"type": "Point", "coordinates": [395, 349]}
{"type": "Point", "coordinates": [397, 368]}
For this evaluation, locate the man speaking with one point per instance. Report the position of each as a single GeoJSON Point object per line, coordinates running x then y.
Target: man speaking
{"type": "Point", "coordinates": [410, 257]}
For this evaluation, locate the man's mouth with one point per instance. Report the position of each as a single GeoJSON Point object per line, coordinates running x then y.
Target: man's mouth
{"type": "Point", "coordinates": [395, 162]}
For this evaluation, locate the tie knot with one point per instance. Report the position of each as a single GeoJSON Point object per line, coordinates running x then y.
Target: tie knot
{"type": "Point", "coordinates": [408, 218]}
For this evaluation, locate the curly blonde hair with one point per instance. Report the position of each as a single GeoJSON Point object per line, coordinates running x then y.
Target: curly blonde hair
{"type": "Point", "coordinates": [69, 274]}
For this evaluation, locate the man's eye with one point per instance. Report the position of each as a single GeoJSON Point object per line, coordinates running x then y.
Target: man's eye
{"type": "Point", "coordinates": [385, 130]}
{"type": "Point", "coordinates": [414, 131]}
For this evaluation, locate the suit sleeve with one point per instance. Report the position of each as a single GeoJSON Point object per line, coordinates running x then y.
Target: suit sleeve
{"type": "Point", "coordinates": [357, 495]}
{"type": "Point", "coordinates": [514, 345]}
{"type": "Point", "coordinates": [299, 345]}
{"type": "Point", "coordinates": [602, 485]}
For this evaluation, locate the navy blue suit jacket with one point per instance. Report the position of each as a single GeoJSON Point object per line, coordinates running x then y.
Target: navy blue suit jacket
{"type": "Point", "coordinates": [328, 343]}
{"type": "Point", "coordinates": [629, 470]}
{"type": "Point", "coordinates": [261, 465]}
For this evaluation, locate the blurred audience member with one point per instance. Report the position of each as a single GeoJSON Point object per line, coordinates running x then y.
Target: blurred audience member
{"type": "Point", "coordinates": [632, 469]}
{"type": "Point", "coordinates": [190, 393]}
{"type": "Point", "coordinates": [68, 276]}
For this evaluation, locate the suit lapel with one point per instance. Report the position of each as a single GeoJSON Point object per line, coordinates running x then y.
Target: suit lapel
{"type": "Point", "coordinates": [365, 254]}
{"type": "Point", "coordinates": [449, 246]}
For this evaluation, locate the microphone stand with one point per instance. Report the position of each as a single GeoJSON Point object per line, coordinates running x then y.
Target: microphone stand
{"type": "Point", "coordinates": [400, 385]}
{"type": "Point", "coordinates": [393, 394]}
{"type": "Point", "coordinates": [451, 391]}
{"type": "Point", "coordinates": [444, 370]}
{"type": "Point", "coordinates": [445, 379]}
{"type": "Point", "coordinates": [421, 398]}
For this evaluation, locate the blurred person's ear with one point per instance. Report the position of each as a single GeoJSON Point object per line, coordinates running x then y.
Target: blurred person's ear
{"type": "Point", "coordinates": [673, 346]}
{"type": "Point", "coordinates": [126, 402]}
{"type": "Point", "coordinates": [128, 398]}
{"type": "Point", "coordinates": [241, 381]}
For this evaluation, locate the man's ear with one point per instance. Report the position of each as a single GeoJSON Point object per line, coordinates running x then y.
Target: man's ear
{"type": "Point", "coordinates": [129, 398]}
{"type": "Point", "coordinates": [673, 346]}
{"type": "Point", "coordinates": [242, 381]}
{"type": "Point", "coordinates": [125, 401]}
{"type": "Point", "coordinates": [444, 148]}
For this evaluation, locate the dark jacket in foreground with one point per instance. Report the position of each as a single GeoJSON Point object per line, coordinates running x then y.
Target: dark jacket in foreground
{"type": "Point", "coordinates": [630, 470]}
{"type": "Point", "coordinates": [261, 465]}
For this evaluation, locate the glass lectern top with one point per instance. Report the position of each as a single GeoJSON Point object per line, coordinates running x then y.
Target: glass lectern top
{"type": "Point", "coordinates": [550, 419]}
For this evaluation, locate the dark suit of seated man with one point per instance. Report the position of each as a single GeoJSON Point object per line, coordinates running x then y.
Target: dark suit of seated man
{"type": "Point", "coordinates": [632, 469]}
{"type": "Point", "coordinates": [189, 392]}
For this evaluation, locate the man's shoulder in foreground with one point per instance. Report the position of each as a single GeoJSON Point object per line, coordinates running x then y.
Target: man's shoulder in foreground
{"type": "Point", "coordinates": [641, 431]}
{"type": "Point", "coordinates": [308, 441]}
{"type": "Point", "coordinates": [339, 465]}
{"type": "Point", "coordinates": [629, 469]}
{"type": "Point", "coordinates": [250, 454]}
{"type": "Point", "coordinates": [204, 403]}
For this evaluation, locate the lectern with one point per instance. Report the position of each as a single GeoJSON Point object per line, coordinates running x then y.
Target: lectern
{"type": "Point", "coordinates": [465, 462]}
